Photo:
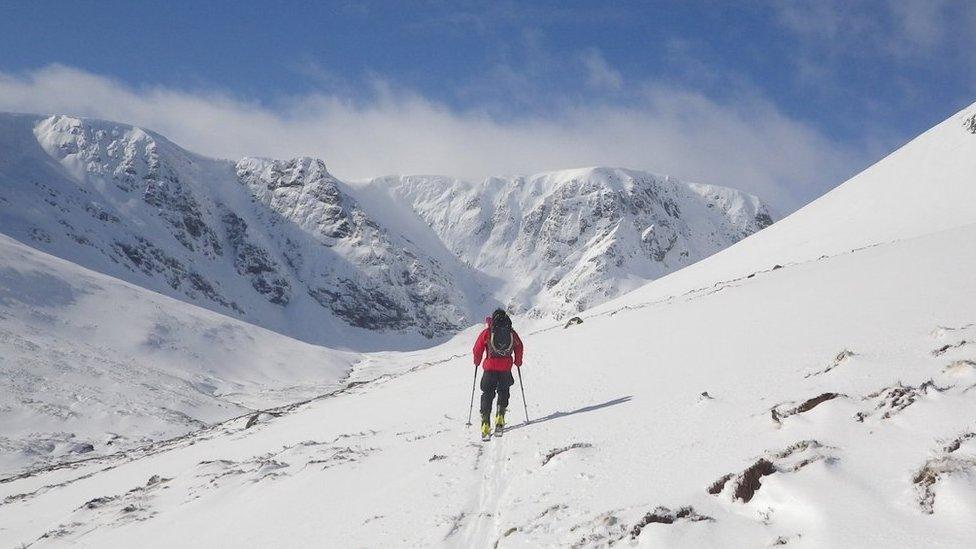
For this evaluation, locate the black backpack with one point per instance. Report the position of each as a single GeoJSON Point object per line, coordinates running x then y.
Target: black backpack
{"type": "Point", "coordinates": [501, 339]}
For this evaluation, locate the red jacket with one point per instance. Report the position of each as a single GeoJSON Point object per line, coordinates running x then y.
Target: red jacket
{"type": "Point", "coordinates": [496, 363]}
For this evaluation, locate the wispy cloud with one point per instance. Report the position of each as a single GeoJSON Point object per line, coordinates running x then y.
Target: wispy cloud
{"type": "Point", "coordinates": [599, 74]}
{"type": "Point", "coordinates": [880, 62]}
{"type": "Point", "coordinates": [747, 143]}
{"type": "Point", "coordinates": [904, 30]}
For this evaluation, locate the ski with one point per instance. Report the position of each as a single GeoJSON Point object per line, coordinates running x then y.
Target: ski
{"type": "Point", "coordinates": [499, 430]}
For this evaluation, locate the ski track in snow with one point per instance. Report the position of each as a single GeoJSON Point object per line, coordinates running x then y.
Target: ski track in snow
{"type": "Point", "coordinates": [486, 510]}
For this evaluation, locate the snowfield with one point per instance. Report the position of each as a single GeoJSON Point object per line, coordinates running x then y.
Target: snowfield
{"type": "Point", "coordinates": [811, 386]}
{"type": "Point", "coordinates": [93, 365]}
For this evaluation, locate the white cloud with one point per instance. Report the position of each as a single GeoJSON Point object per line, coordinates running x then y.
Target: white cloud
{"type": "Point", "coordinates": [600, 75]}
{"type": "Point", "coordinates": [748, 143]}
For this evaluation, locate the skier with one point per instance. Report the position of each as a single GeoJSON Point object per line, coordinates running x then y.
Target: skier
{"type": "Point", "coordinates": [503, 347]}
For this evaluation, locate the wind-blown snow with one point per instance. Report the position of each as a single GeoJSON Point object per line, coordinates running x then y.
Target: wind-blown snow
{"type": "Point", "coordinates": [811, 386]}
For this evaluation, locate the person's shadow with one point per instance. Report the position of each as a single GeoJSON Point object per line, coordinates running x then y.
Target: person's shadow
{"type": "Point", "coordinates": [557, 415]}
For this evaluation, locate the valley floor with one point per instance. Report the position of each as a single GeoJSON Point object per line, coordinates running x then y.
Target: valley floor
{"type": "Point", "coordinates": [822, 404]}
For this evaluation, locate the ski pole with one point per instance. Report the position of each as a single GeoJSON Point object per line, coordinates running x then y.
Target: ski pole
{"type": "Point", "coordinates": [474, 382]}
{"type": "Point", "coordinates": [524, 405]}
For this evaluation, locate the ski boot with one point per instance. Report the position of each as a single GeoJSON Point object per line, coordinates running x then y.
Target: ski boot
{"type": "Point", "coordinates": [485, 428]}
{"type": "Point", "coordinates": [500, 422]}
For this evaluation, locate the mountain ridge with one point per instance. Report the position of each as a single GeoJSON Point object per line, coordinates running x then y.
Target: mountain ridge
{"type": "Point", "coordinates": [286, 245]}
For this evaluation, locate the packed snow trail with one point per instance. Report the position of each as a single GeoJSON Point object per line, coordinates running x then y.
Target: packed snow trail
{"type": "Point", "coordinates": [486, 512]}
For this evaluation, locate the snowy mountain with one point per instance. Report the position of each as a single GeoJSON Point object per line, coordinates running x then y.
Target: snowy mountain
{"type": "Point", "coordinates": [810, 386]}
{"type": "Point", "coordinates": [387, 264]}
{"type": "Point", "coordinates": [561, 242]}
{"type": "Point", "coordinates": [278, 244]}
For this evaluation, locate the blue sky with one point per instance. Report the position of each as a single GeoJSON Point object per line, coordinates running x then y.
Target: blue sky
{"type": "Point", "coordinates": [785, 99]}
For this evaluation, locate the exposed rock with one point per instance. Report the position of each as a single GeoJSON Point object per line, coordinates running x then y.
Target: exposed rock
{"type": "Point", "coordinates": [363, 307]}
{"type": "Point", "coordinates": [573, 321]}
{"type": "Point", "coordinates": [146, 257]}
{"type": "Point", "coordinates": [719, 485]}
{"type": "Point", "coordinates": [574, 232]}
{"type": "Point", "coordinates": [663, 515]}
{"type": "Point", "coordinates": [99, 213]}
{"type": "Point", "coordinates": [180, 209]}
{"type": "Point", "coordinates": [748, 481]}
{"type": "Point", "coordinates": [788, 460]}
{"type": "Point", "coordinates": [98, 502]}
{"type": "Point", "coordinates": [932, 472]}
{"type": "Point", "coordinates": [556, 451]}
{"type": "Point", "coordinates": [40, 235]}
{"type": "Point", "coordinates": [948, 347]}
{"type": "Point", "coordinates": [391, 286]}
{"type": "Point", "coordinates": [255, 263]}
{"type": "Point", "coordinates": [259, 416]}
{"type": "Point", "coordinates": [303, 191]}
{"type": "Point", "coordinates": [957, 442]}
{"type": "Point", "coordinates": [842, 358]}
{"type": "Point", "coordinates": [781, 412]}
{"type": "Point", "coordinates": [892, 400]}
{"type": "Point", "coordinates": [82, 448]}
{"type": "Point", "coordinates": [763, 219]}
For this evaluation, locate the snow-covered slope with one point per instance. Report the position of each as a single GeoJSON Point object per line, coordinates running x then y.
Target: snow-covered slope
{"type": "Point", "coordinates": [825, 403]}
{"type": "Point", "coordinates": [91, 365]}
{"type": "Point", "coordinates": [923, 187]}
{"type": "Point", "coordinates": [392, 264]}
{"type": "Point", "coordinates": [561, 242]}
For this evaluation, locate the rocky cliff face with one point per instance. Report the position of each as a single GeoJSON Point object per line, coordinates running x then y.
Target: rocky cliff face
{"type": "Point", "coordinates": [382, 283]}
{"type": "Point", "coordinates": [970, 124]}
{"type": "Point", "coordinates": [285, 245]}
{"type": "Point", "coordinates": [568, 240]}
{"type": "Point", "coordinates": [277, 243]}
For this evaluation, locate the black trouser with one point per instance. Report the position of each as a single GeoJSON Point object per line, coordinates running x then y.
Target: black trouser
{"type": "Point", "coordinates": [492, 381]}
